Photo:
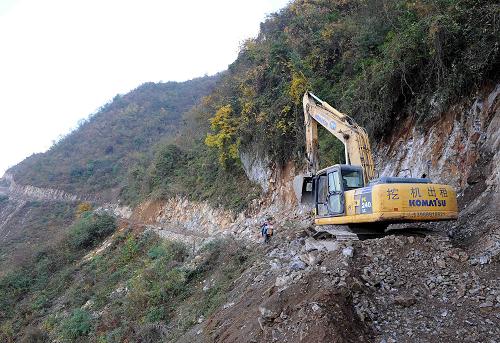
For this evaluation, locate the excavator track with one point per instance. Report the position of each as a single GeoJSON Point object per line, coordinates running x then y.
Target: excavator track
{"type": "Point", "coordinates": [345, 233]}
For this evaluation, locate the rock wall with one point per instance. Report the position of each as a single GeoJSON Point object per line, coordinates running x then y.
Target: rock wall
{"type": "Point", "coordinates": [36, 193]}
{"type": "Point", "coordinates": [462, 149]}
{"type": "Point", "coordinates": [257, 168]}
{"type": "Point", "coordinates": [180, 214]}
{"type": "Point", "coordinates": [449, 150]}
{"type": "Point", "coordinates": [19, 192]}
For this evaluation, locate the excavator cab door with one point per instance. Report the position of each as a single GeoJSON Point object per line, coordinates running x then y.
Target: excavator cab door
{"type": "Point", "coordinates": [329, 193]}
{"type": "Point", "coordinates": [335, 193]}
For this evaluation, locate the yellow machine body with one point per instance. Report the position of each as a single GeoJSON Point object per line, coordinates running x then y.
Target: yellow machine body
{"type": "Point", "coordinates": [396, 202]}
{"type": "Point", "coordinates": [349, 193]}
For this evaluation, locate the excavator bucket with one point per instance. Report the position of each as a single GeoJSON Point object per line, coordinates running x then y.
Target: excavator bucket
{"type": "Point", "coordinates": [303, 186]}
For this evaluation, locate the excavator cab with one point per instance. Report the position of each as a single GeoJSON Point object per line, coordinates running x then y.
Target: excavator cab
{"type": "Point", "coordinates": [330, 185]}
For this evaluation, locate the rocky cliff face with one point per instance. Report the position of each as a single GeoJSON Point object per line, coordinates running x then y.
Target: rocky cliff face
{"type": "Point", "coordinates": [16, 190]}
{"type": "Point", "coordinates": [462, 149]}
{"type": "Point", "coordinates": [257, 168]}
{"type": "Point", "coordinates": [452, 150]}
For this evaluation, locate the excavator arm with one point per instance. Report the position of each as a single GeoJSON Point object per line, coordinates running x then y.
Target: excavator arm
{"type": "Point", "coordinates": [344, 128]}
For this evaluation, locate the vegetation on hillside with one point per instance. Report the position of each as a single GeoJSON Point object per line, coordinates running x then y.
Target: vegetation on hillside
{"type": "Point", "coordinates": [377, 61]}
{"type": "Point", "coordinates": [191, 170]}
{"type": "Point", "coordinates": [97, 155]}
{"type": "Point", "coordinates": [185, 165]}
{"type": "Point", "coordinates": [140, 288]}
{"type": "Point", "coordinates": [33, 286]}
{"type": "Point", "coordinates": [30, 224]}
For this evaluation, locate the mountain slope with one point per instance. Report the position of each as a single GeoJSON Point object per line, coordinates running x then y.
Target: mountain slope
{"type": "Point", "coordinates": [377, 61]}
{"type": "Point", "coordinates": [95, 157]}
{"type": "Point", "coordinates": [422, 76]}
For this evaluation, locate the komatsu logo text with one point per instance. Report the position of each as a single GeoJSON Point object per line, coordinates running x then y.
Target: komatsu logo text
{"type": "Point", "coordinates": [435, 203]}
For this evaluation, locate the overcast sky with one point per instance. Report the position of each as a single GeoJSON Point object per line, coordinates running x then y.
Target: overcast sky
{"type": "Point", "coordinates": [60, 60]}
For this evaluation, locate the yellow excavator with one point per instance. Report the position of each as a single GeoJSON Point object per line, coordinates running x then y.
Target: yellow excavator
{"type": "Point", "coordinates": [348, 194]}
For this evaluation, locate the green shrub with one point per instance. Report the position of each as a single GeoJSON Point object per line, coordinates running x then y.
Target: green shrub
{"type": "Point", "coordinates": [129, 250]}
{"type": "Point", "coordinates": [168, 251]}
{"type": "Point", "coordinates": [40, 302]}
{"type": "Point", "coordinates": [77, 325]}
{"type": "Point", "coordinates": [156, 314]}
{"type": "Point", "coordinates": [91, 229]}
{"type": "Point", "coordinates": [157, 251]}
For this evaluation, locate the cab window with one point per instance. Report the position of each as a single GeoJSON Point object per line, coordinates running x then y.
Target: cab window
{"type": "Point", "coordinates": [334, 182]}
{"type": "Point", "coordinates": [336, 195]}
{"type": "Point", "coordinates": [352, 179]}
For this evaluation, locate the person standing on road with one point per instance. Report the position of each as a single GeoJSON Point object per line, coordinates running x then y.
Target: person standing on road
{"type": "Point", "coordinates": [266, 230]}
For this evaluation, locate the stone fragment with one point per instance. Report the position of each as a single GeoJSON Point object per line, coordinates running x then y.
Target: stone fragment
{"type": "Point", "coordinates": [275, 265]}
{"type": "Point", "coordinates": [315, 307]}
{"type": "Point", "coordinates": [486, 304]}
{"type": "Point", "coordinates": [297, 265]}
{"type": "Point", "coordinates": [267, 314]}
{"type": "Point", "coordinates": [311, 244]}
{"type": "Point", "coordinates": [304, 258]}
{"type": "Point", "coordinates": [404, 301]}
{"type": "Point", "coordinates": [228, 305]}
{"type": "Point", "coordinates": [484, 259]}
{"type": "Point", "coordinates": [463, 256]}
{"type": "Point", "coordinates": [282, 281]}
{"type": "Point", "coordinates": [348, 251]}
{"type": "Point", "coordinates": [474, 290]}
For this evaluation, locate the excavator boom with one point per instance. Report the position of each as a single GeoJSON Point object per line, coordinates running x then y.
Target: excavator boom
{"type": "Point", "coordinates": [344, 128]}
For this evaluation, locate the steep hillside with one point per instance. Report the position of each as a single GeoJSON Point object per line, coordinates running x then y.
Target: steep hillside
{"type": "Point", "coordinates": [95, 157]}
{"type": "Point", "coordinates": [382, 62]}
{"type": "Point", "coordinates": [378, 61]}
{"type": "Point", "coordinates": [39, 196]}
{"type": "Point", "coordinates": [185, 263]}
